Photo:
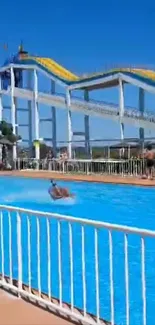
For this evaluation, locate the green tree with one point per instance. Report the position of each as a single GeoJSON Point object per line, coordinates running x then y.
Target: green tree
{"type": "Point", "coordinates": [6, 130]}
{"type": "Point", "coordinates": [44, 149]}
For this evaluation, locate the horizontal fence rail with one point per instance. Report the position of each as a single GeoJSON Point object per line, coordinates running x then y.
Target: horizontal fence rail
{"type": "Point", "coordinates": [131, 167]}
{"type": "Point", "coordinates": [112, 108]}
{"type": "Point", "coordinates": [86, 269]}
{"type": "Point", "coordinates": [92, 107]}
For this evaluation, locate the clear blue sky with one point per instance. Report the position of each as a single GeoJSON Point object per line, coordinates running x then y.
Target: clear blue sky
{"type": "Point", "coordinates": [84, 36]}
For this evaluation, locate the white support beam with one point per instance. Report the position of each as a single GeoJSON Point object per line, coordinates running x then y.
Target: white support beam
{"type": "Point", "coordinates": [16, 114]}
{"type": "Point", "coordinates": [36, 115]}
{"type": "Point", "coordinates": [35, 67]}
{"type": "Point", "coordinates": [121, 107]}
{"type": "Point", "coordinates": [69, 124]}
{"type": "Point", "coordinates": [89, 82]}
{"type": "Point", "coordinates": [122, 131]}
{"type": "Point", "coordinates": [86, 126]}
{"type": "Point", "coordinates": [29, 109]}
{"type": "Point", "coordinates": [87, 137]}
{"type": "Point", "coordinates": [98, 81]}
{"type": "Point", "coordinates": [141, 110]}
{"type": "Point", "coordinates": [53, 111]}
{"type": "Point", "coordinates": [13, 111]}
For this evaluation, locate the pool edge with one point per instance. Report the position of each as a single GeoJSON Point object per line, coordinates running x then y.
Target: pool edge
{"type": "Point", "coordinates": [81, 178]}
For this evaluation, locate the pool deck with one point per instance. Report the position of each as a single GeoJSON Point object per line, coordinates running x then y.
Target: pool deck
{"type": "Point", "coordinates": [87, 178]}
{"type": "Point", "coordinates": [30, 311]}
{"type": "Point", "coordinates": [16, 311]}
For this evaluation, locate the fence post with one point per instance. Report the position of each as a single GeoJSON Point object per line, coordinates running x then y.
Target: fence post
{"type": "Point", "coordinates": [87, 168]}
{"type": "Point", "coordinates": [63, 167]}
{"type": "Point", "coordinates": [19, 252]}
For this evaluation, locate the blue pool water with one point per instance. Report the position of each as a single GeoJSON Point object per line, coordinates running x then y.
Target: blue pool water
{"type": "Point", "coordinates": [112, 203]}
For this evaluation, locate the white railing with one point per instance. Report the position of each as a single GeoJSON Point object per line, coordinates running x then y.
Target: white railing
{"type": "Point", "coordinates": [92, 107]}
{"type": "Point", "coordinates": [107, 107]}
{"type": "Point", "coordinates": [131, 167]}
{"type": "Point", "coordinates": [95, 266]}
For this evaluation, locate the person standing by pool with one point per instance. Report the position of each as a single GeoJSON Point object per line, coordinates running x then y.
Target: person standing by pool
{"type": "Point", "coordinates": [149, 156]}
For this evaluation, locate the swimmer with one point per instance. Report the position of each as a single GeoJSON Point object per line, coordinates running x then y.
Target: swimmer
{"type": "Point", "coordinates": [57, 192]}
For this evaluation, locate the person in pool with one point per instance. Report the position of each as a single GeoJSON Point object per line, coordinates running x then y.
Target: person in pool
{"type": "Point", "coordinates": [57, 192]}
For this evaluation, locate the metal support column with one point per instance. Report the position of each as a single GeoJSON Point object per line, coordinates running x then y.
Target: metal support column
{"type": "Point", "coordinates": [69, 124]}
{"type": "Point", "coordinates": [13, 111]}
{"type": "Point", "coordinates": [141, 109]}
{"type": "Point", "coordinates": [29, 108]}
{"type": "Point", "coordinates": [36, 115]}
{"type": "Point", "coordinates": [121, 107]}
{"type": "Point", "coordinates": [16, 114]}
{"type": "Point", "coordinates": [16, 121]}
{"type": "Point", "coordinates": [53, 109]}
{"type": "Point", "coordinates": [86, 125]}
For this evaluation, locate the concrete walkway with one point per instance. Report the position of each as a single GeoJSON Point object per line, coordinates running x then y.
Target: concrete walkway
{"type": "Point", "coordinates": [15, 311]}
{"type": "Point", "coordinates": [77, 177]}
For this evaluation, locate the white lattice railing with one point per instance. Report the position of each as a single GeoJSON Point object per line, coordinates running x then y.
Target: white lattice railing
{"type": "Point", "coordinates": [101, 107]}
{"type": "Point", "coordinates": [132, 167]}
{"type": "Point", "coordinates": [87, 264]}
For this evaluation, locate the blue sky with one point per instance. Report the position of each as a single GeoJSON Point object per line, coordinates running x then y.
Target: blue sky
{"type": "Point", "coordinates": [84, 36]}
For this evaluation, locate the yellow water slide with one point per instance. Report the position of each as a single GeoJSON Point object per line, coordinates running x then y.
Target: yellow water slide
{"type": "Point", "coordinates": [53, 67]}
{"type": "Point", "coordinates": [59, 71]}
{"type": "Point", "coordinates": [149, 74]}
{"type": "Point", "coordinates": [146, 73]}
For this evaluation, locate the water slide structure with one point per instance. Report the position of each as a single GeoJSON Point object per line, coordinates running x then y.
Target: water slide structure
{"type": "Point", "coordinates": [12, 84]}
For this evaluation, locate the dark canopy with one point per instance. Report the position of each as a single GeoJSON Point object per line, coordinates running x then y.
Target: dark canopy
{"type": "Point", "coordinates": [6, 142]}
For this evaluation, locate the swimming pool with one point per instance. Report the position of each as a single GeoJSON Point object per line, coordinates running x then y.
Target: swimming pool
{"type": "Point", "coordinates": [112, 203]}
